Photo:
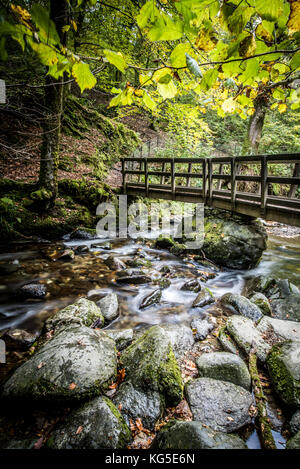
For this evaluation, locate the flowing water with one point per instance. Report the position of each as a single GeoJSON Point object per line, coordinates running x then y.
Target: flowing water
{"type": "Point", "coordinates": [87, 275]}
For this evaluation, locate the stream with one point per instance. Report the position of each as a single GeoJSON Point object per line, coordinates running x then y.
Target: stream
{"type": "Point", "coordinates": [87, 275]}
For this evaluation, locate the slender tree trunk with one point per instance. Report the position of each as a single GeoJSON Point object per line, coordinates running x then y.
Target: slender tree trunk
{"type": "Point", "coordinates": [255, 127]}
{"type": "Point", "coordinates": [54, 95]}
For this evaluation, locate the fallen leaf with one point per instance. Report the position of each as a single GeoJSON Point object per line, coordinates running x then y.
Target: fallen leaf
{"type": "Point", "coordinates": [79, 429]}
{"type": "Point", "coordinates": [40, 365]}
{"type": "Point", "coordinates": [72, 386]}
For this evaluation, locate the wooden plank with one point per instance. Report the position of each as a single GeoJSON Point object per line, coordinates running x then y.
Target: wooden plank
{"type": "Point", "coordinates": [233, 168]}
{"type": "Point", "coordinates": [188, 176]}
{"type": "Point", "coordinates": [284, 180]}
{"type": "Point", "coordinates": [204, 176]}
{"type": "Point", "coordinates": [264, 185]}
{"type": "Point", "coordinates": [146, 177]}
{"type": "Point", "coordinates": [173, 177]}
{"type": "Point", "coordinates": [210, 182]}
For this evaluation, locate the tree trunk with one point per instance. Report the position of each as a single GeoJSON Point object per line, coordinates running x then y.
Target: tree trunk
{"type": "Point", "coordinates": [54, 94]}
{"type": "Point", "coordinates": [255, 127]}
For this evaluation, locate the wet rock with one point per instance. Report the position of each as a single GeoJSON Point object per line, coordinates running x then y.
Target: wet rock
{"type": "Point", "coordinates": [164, 242]}
{"type": "Point", "coordinates": [107, 246]}
{"type": "Point", "coordinates": [150, 364]}
{"type": "Point", "coordinates": [134, 277]}
{"type": "Point", "coordinates": [165, 269]}
{"type": "Point", "coordinates": [181, 338]}
{"type": "Point", "coordinates": [151, 299]}
{"type": "Point", "coordinates": [114, 263]}
{"type": "Point", "coordinates": [77, 363]}
{"type": "Point", "coordinates": [20, 338]}
{"type": "Point", "coordinates": [82, 234]}
{"type": "Point", "coordinates": [82, 249]}
{"type": "Point", "coordinates": [226, 342]}
{"type": "Point", "coordinates": [221, 405]}
{"type": "Point", "coordinates": [9, 268]}
{"type": "Point", "coordinates": [287, 308]}
{"type": "Point", "coordinates": [235, 241]}
{"type": "Point", "coordinates": [66, 255]}
{"type": "Point", "coordinates": [33, 290]}
{"type": "Point", "coordinates": [294, 443]}
{"type": "Point", "coordinates": [193, 435]}
{"type": "Point", "coordinates": [204, 298]}
{"type": "Point", "coordinates": [294, 424]}
{"type": "Point", "coordinates": [284, 369]}
{"type": "Point", "coordinates": [135, 404]}
{"type": "Point", "coordinates": [109, 307]}
{"type": "Point", "coordinates": [83, 312]}
{"type": "Point", "coordinates": [96, 425]}
{"type": "Point", "coordinates": [201, 328]}
{"type": "Point", "coordinates": [245, 334]}
{"type": "Point", "coordinates": [192, 285]}
{"type": "Point", "coordinates": [276, 330]}
{"type": "Point", "coordinates": [225, 367]}
{"type": "Point", "coordinates": [262, 302]}
{"type": "Point", "coordinates": [122, 337]}
{"type": "Point", "coordinates": [238, 304]}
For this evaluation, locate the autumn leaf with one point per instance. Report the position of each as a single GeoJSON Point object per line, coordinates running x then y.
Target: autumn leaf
{"type": "Point", "coordinates": [79, 429]}
{"type": "Point", "coordinates": [72, 386]}
{"type": "Point", "coordinates": [40, 365]}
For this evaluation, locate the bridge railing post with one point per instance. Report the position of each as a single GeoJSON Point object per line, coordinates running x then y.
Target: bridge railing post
{"type": "Point", "coordinates": [146, 176]}
{"type": "Point", "coordinates": [123, 176]}
{"type": "Point", "coordinates": [204, 176]}
{"type": "Point", "coordinates": [210, 181]}
{"type": "Point", "coordinates": [263, 185]}
{"type": "Point", "coordinates": [233, 171]}
{"type": "Point", "coordinates": [173, 177]}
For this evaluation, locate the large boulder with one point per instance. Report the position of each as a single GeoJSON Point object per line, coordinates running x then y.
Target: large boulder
{"type": "Point", "coordinates": [135, 403]}
{"type": "Point", "coordinates": [193, 435]}
{"type": "Point", "coordinates": [284, 368]}
{"type": "Point", "coordinates": [204, 298]}
{"type": "Point", "coordinates": [96, 425]}
{"type": "Point", "coordinates": [238, 304]}
{"type": "Point", "coordinates": [84, 312]}
{"type": "Point", "coordinates": [181, 338]}
{"type": "Point", "coordinates": [262, 302]}
{"type": "Point", "coordinates": [201, 328]}
{"type": "Point", "coordinates": [233, 241]}
{"type": "Point", "coordinates": [122, 337]}
{"type": "Point", "coordinates": [221, 405]}
{"type": "Point", "coordinates": [294, 443]}
{"type": "Point", "coordinates": [294, 424]}
{"type": "Point", "coordinates": [224, 366]}
{"type": "Point", "coordinates": [78, 363]}
{"type": "Point", "coordinates": [150, 364]}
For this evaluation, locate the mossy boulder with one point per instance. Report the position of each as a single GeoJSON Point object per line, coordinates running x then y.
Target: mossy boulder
{"type": "Point", "coordinates": [284, 368]}
{"type": "Point", "coordinates": [193, 435]}
{"type": "Point", "coordinates": [78, 363]}
{"type": "Point", "coordinates": [262, 302]}
{"type": "Point", "coordinates": [109, 307]}
{"type": "Point", "coordinates": [150, 363]}
{"type": "Point", "coordinates": [83, 312]}
{"type": "Point", "coordinates": [204, 298]}
{"type": "Point", "coordinates": [294, 443]}
{"type": "Point", "coordinates": [96, 425]}
{"type": "Point", "coordinates": [224, 366]}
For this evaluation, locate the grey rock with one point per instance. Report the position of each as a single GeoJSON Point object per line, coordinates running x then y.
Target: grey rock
{"type": "Point", "coordinates": [134, 277]}
{"type": "Point", "coordinates": [193, 435]}
{"type": "Point", "coordinates": [122, 337]}
{"type": "Point", "coordinates": [109, 307]}
{"type": "Point", "coordinates": [192, 285]}
{"type": "Point", "coordinates": [294, 443]}
{"type": "Point", "coordinates": [151, 299]}
{"type": "Point", "coordinates": [284, 369]}
{"type": "Point", "coordinates": [66, 255]}
{"type": "Point", "coordinates": [96, 425]}
{"type": "Point", "coordinates": [10, 267]}
{"type": "Point", "coordinates": [81, 249]}
{"type": "Point", "coordinates": [279, 330]}
{"type": "Point", "coordinates": [33, 290]}
{"type": "Point", "coordinates": [135, 403]}
{"type": "Point", "coordinates": [262, 302]}
{"type": "Point", "coordinates": [238, 304]}
{"type": "Point", "coordinates": [181, 338]}
{"type": "Point", "coordinates": [114, 263]}
{"type": "Point", "coordinates": [245, 334]}
{"type": "Point", "coordinates": [287, 308]}
{"type": "Point", "coordinates": [77, 363]}
{"type": "Point", "coordinates": [82, 234]}
{"type": "Point", "coordinates": [294, 424]}
{"type": "Point", "coordinates": [204, 298]}
{"type": "Point", "coordinates": [150, 364]}
{"type": "Point", "coordinates": [201, 327]}
{"type": "Point", "coordinates": [225, 367]}
{"type": "Point", "coordinates": [20, 338]}
{"type": "Point", "coordinates": [221, 405]}
{"type": "Point", "coordinates": [227, 342]}
{"type": "Point", "coordinates": [83, 312]}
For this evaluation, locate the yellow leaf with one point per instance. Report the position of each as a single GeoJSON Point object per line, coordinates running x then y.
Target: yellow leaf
{"type": "Point", "coordinates": [228, 105]}
{"type": "Point", "coordinates": [294, 18]}
{"type": "Point", "coordinates": [282, 107]}
{"type": "Point", "coordinates": [74, 25]}
{"type": "Point", "coordinates": [206, 40]}
{"type": "Point", "coordinates": [251, 111]}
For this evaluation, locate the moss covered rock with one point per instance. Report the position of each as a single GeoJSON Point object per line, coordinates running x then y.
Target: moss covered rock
{"type": "Point", "coordinates": [83, 312]}
{"type": "Point", "coordinates": [193, 435]}
{"type": "Point", "coordinates": [78, 363]}
{"type": "Point", "coordinates": [294, 443]}
{"type": "Point", "coordinates": [96, 425]}
{"type": "Point", "coordinates": [150, 363]}
{"type": "Point", "coordinates": [284, 368]}
{"type": "Point", "coordinates": [238, 304]}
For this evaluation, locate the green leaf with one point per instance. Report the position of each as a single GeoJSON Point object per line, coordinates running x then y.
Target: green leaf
{"type": "Point", "coordinates": [148, 101]}
{"type": "Point", "coordinates": [83, 76]}
{"type": "Point", "coordinates": [193, 66]}
{"type": "Point", "coordinates": [269, 10]}
{"type": "Point", "coordinates": [295, 62]}
{"type": "Point", "coordinates": [164, 29]}
{"type": "Point", "coordinates": [167, 91]}
{"type": "Point", "coordinates": [116, 59]}
{"type": "Point", "coordinates": [44, 24]}
{"type": "Point", "coordinates": [178, 58]}
{"type": "Point", "coordinates": [209, 79]}
{"type": "Point", "coordinates": [47, 54]}
{"type": "Point", "coordinates": [249, 75]}
{"type": "Point", "coordinates": [147, 13]}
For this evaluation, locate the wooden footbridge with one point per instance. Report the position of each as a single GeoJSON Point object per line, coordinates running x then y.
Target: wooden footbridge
{"type": "Point", "coordinates": [246, 185]}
